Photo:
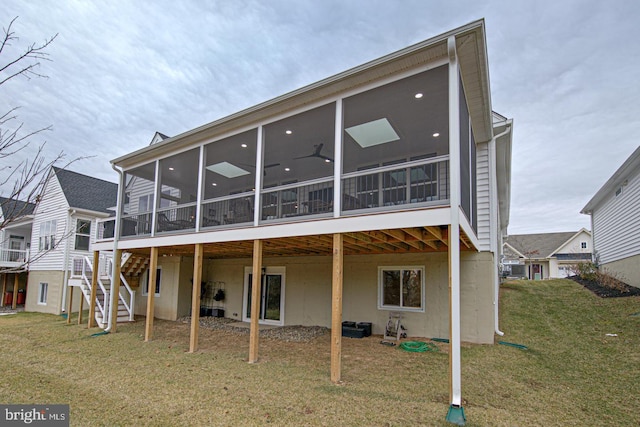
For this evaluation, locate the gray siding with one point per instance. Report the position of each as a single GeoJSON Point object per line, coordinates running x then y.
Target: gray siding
{"type": "Point", "coordinates": [616, 223]}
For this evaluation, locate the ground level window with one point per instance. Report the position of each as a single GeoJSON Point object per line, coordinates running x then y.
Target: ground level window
{"type": "Point", "coordinates": [42, 293]}
{"type": "Point", "coordinates": [145, 282]}
{"type": "Point", "coordinates": [401, 288]}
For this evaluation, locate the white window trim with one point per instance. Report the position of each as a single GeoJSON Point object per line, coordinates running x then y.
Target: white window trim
{"type": "Point", "coordinates": [381, 306]}
{"type": "Point", "coordinates": [145, 279]}
{"type": "Point", "coordinates": [87, 235]}
{"type": "Point", "coordinates": [41, 286]}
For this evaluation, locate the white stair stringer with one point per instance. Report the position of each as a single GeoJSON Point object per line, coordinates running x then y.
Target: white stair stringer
{"type": "Point", "coordinates": [102, 307]}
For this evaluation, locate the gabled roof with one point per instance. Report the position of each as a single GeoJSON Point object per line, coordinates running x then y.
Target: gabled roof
{"type": "Point", "coordinates": [86, 192]}
{"type": "Point", "coordinates": [546, 244]}
{"type": "Point", "coordinates": [618, 179]}
{"type": "Point", "coordinates": [13, 209]}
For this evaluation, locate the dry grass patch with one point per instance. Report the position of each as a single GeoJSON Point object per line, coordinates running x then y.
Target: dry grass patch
{"type": "Point", "coordinates": [572, 374]}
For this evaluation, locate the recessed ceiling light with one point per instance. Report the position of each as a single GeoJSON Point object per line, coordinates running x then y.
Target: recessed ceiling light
{"type": "Point", "coordinates": [327, 161]}
{"type": "Point", "coordinates": [170, 168]}
{"type": "Point", "coordinates": [214, 184]}
{"type": "Point", "coordinates": [287, 169]}
{"type": "Point", "coordinates": [418, 95]}
{"type": "Point", "coordinates": [435, 135]}
{"type": "Point", "coordinates": [288, 132]}
{"type": "Point", "coordinates": [243, 145]}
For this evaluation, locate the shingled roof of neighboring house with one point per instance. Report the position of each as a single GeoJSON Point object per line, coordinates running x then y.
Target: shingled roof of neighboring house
{"type": "Point", "coordinates": [544, 243]}
{"type": "Point", "coordinates": [12, 208]}
{"type": "Point", "coordinates": [87, 192]}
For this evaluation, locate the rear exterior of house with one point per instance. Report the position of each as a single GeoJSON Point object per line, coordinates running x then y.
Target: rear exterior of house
{"type": "Point", "coordinates": [16, 218]}
{"type": "Point", "coordinates": [615, 221]}
{"type": "Point", "coordinates": [63, 229]}
{"type": "Point", "coordinates": [384, 189]}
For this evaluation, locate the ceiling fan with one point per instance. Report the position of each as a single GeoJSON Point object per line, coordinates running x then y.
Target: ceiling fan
{"type": "Point", "coordinates": [317, 153]}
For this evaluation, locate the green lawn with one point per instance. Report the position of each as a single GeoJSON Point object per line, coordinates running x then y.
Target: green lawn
{"type": "Point", "coordinates": [572, 373]}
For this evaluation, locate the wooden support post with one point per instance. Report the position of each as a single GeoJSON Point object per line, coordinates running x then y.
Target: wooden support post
{"type": "Point", "coordinates": [4, 289]}
{"type": "Point", "coordinates": [16, 278]}
{"type": "Point", "coordinates": [69, 303]}
{"type": "Point", "coordinates": [151, 292]}
{"type": "Point", "coordinates": [94, 289]}
{"type": "Point", "coordinates": [81, 308]}
{"type": "Point", "coordinates": [336, 308]}
{"type": "Point", "coordinates": [195, 301]}
{"type": "Point", "coordinates": [256, 286]}
{"type": "Point", "coordinates": [115, 287]}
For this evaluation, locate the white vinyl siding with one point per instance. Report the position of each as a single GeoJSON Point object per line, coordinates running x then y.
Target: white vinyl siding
{"type": "Point", "coordinates": [483, 189]}
{"type": "Point", "coordinates": [52, 207]}
{"type": "Point", "coordinates": [616, 223]}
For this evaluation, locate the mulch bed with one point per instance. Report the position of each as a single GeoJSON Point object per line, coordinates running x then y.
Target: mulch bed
{"type": "Point", "coordinates": [604, 292]}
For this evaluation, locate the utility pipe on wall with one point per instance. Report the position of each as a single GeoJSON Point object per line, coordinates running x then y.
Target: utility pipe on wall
{"type": "Point", "coordinates": [116, 234]}
{"type": "Point", "coordinates": [495, 227]}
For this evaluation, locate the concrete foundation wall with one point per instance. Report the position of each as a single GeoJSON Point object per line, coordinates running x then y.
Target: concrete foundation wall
{"type": "Point", "coordinates": [628, 270]}
{"type": "Point", "coordinates": [308, 291]}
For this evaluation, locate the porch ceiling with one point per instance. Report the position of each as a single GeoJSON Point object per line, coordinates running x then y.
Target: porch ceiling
{"type": "Point", "coordinates": [390, 241]}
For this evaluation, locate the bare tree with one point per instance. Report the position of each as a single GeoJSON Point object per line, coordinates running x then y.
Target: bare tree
{"type": "Point", "coordinates": [24, 179]}
{"type": "Point", "coordinates": [25, 170]}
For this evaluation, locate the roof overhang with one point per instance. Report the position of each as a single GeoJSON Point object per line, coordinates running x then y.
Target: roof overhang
{"type": "Point", "coordinates": [618, 179]}
{"type": "Point", "coordinates": [472, 55]}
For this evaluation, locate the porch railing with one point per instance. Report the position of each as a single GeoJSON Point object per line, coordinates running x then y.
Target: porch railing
{"type": "Point", "coordinates": [419, 182]}
{"type": "Point", "coordinates": [14, 256]}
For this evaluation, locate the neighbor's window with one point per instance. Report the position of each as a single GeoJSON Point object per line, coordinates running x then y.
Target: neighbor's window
{"type": "Point", "coordinates": [145, 282]}
{"type": "Point", "coordinates": [583, 245]}
{"type": "Point", "coordinates": [401, 288]}
{"type": "Point", "coordinates": [145, 203]}
{"type": "Point", "coordinates": [47, 238]}
{"type": "Point", "coordinates": [83, 231]}
{"type": "Point", "coordinates": [42, 293]}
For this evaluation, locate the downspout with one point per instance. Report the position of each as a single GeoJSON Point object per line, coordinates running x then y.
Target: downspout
{"type": "Point", "coordinates": [65, 274]}
{"type": "Point", "coordinates": [116, 234]}
{"type": "Point", "coordinates": [496, 229]}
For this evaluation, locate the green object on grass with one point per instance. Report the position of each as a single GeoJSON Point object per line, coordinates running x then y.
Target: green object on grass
{"type": "Point", "coordinates": [440, 339]}
{"type": "Point", "coordinates": [456, 415]}
{"type": "Point", "coordinates": [510, 344]}
{"type": "Point", "coordinates": [418, 346]}
{"type": "Point", "coordinates": [97, 334]}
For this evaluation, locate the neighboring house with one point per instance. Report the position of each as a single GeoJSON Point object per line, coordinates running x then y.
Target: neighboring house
{"type": "Point", "coordinates": [383, 189]}
{"type": "Point", "coordinates": [615, 221]}
{"type": "Point", "coordinates": [64, 224]}
{"type": "Point", "coordinates": [545, 255]}
{"type": "Point", "coordinates": [16, 218]}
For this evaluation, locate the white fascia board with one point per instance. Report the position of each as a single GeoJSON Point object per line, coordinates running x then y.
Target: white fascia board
{"type": "Point", "coordinates": [631, 165]}
{"type": "Point", "coordinates": [394, 220]}
{"type": "Point", "coordinates": [513, 249]}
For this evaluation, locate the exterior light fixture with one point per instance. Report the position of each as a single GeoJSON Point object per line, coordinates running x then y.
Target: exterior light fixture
{"type": "Point", "coordinates": [435, 135]}
{"type": "Point", "coordinates": [418, 95]}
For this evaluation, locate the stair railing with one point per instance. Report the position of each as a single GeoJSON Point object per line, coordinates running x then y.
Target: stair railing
{"type": "Point", "coordinates": [87, 276]}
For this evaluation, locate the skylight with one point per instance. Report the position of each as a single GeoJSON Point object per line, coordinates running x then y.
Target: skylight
{"type": "Point", "coordinates": [228, 170]}
{"type": "Point", "coordinates": [373, 133]}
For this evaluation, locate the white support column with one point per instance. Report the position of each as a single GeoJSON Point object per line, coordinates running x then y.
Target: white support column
{"type": "Point", "coordinates": [337, 160]}
{"type": "Point", "coordinates": [257, 207]}
{"type": "Point", "coordinates": [199, 194]}
{"type": "Point", "coordinates": [456, 413]}
{"type": "Point", "coordinates": [156, 196]}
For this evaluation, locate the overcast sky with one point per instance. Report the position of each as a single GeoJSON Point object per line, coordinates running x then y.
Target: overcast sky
{"type": "Point", "coordinates": [566, 72]}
